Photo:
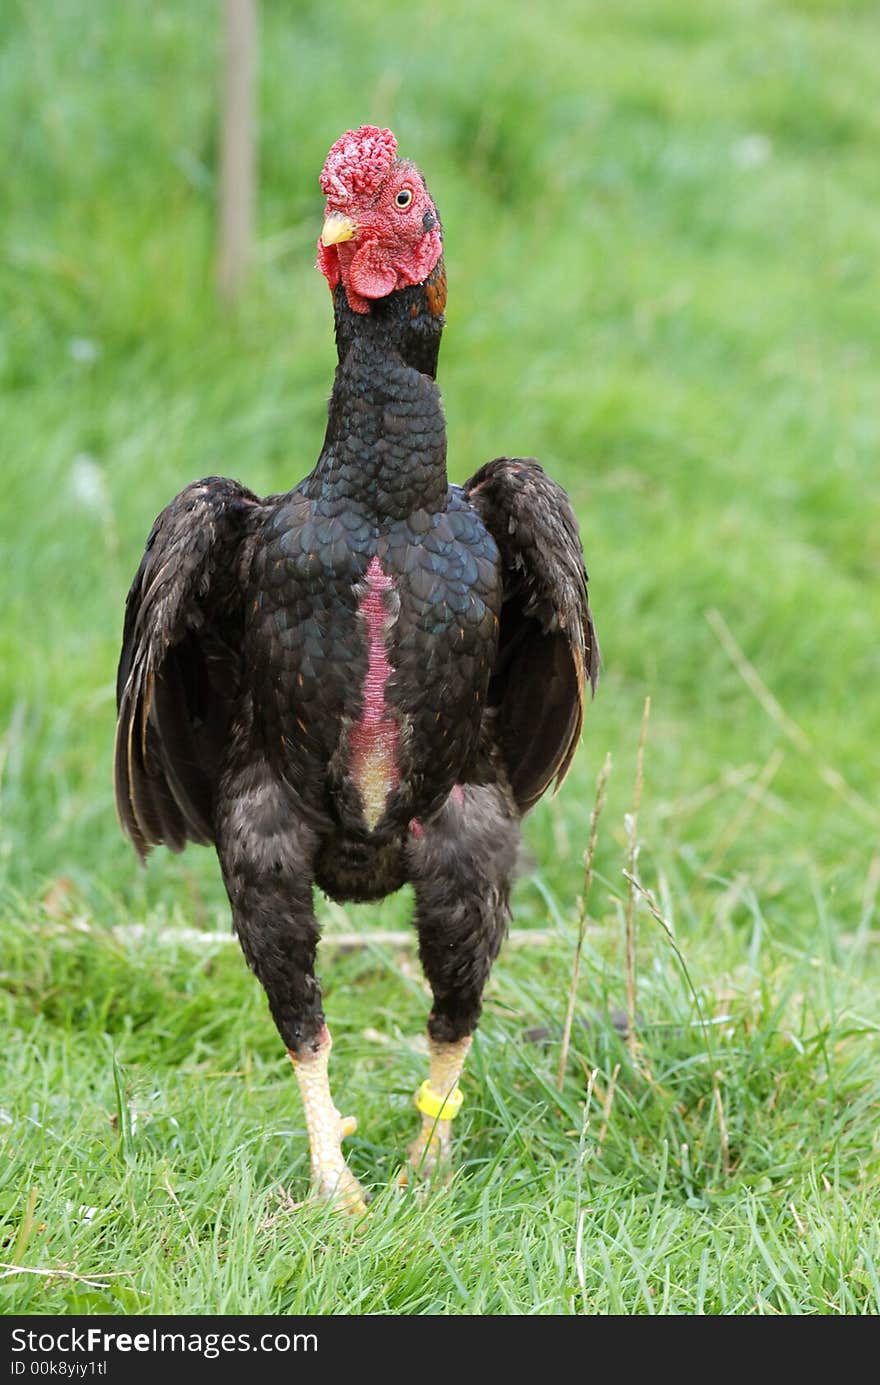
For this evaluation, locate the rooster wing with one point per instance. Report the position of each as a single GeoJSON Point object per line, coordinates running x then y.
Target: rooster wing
{"type": "Point", "coordinates": [547, 652]}
{"type": "Point", "coordinates": [179, 670]}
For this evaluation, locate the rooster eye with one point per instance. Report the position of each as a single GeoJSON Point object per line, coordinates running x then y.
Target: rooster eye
{"type": "Point", "coordinates": [404, 197]}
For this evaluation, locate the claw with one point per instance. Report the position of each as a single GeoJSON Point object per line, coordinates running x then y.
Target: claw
{"type": "Point", "coordinates": [339, 1186]}
{"type": "Point", "coordinates": [332, 1179]}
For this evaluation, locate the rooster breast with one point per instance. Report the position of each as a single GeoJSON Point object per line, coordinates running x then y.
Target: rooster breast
{"type": "Point", "coordinates": [371, 647]}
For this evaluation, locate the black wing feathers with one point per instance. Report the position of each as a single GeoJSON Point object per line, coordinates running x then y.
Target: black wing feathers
{"type": "Point", "coordinates": [179, 669]}
{"type": "Point", "coordinates": [547, 642]}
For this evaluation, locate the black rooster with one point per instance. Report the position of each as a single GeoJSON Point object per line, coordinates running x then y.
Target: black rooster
{"type": "Point", "coordinates": [368, 680]}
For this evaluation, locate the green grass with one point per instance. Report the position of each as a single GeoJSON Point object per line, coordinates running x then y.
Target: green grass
{"type": "Point", "coordinates": [663, 248]}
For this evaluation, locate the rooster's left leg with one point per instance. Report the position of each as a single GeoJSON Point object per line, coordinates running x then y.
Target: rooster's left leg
{"type": "Point", "coordinates": [267, 858]}
{"type": "Point", "coordinates": [462, 865]}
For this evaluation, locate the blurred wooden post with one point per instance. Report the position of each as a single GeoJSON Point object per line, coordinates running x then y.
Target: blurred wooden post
{"type": "Point", "coordinates": [237, 161]}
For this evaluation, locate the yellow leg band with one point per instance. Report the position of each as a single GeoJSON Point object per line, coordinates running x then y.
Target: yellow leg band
{"type": "Point", "coordinates": [438, 1107]}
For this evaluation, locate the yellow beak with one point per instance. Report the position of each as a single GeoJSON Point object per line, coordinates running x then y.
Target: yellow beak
{"type": "Point", "coordinates": [337, 228]}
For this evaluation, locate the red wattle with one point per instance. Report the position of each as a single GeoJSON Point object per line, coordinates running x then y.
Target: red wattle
{"type": "Point", "coordinates": [370, 269]}
{"type": "Point", "coordinates": [328, 263]}
{"type": "Point", "coordinates": [369, 275]}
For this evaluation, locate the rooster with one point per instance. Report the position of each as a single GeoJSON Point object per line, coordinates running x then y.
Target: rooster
{"type": "Point", "coordinates": [367, 680]}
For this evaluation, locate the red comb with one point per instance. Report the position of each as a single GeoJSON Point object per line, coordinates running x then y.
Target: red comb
{"type": "Point", "coordinates": [358, 162]}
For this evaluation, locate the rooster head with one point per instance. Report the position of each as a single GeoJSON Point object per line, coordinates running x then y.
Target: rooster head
{"type": "Point", "coordinates": [381, 230]}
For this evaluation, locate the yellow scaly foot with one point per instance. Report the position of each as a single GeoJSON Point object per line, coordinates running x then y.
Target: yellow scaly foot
{"type": "Point", "coordinates": [332, 1179]}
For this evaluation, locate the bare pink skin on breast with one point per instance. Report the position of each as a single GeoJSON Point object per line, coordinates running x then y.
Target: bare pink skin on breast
{"type": "Point", "coordinates": [374, 740]}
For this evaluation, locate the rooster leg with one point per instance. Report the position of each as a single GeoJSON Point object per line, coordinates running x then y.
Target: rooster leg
{"type": "Point", "coordinates": [430, 1153]}
{"type": "Point", "coordinates": [268, 859]}
{"type": "Point", "coordinates": [461, 864]}
{"type": "Point", "coordinates": [331, 1176]}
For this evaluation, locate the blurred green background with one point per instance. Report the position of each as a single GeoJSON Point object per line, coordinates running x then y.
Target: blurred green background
{"type": "Point", "coordinates": [663, 246]}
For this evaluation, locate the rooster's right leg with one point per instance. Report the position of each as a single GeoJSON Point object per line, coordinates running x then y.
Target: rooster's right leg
{"type": "Point", "coordinates": [267, 859]}
{"type": "Point", "coordinates": [461, 863]}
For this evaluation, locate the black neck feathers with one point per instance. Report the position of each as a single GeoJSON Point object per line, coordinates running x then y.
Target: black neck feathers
{"type": "Point", "coordinates": [385, 445]}
{"type": "Point", "coordinates": [407, 324]}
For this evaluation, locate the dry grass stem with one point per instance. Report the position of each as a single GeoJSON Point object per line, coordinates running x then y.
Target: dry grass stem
{"type": "Point", "coordinates": [579, 1256]}
{"type": "Point", "coordinates": [598, 805]}
{"type": "Point", "coordinates": [633, 829]}
{"type": "Point", "coordinates": [722, 1127]}
{"type": "Point", "coordinates": [581, 1211]}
